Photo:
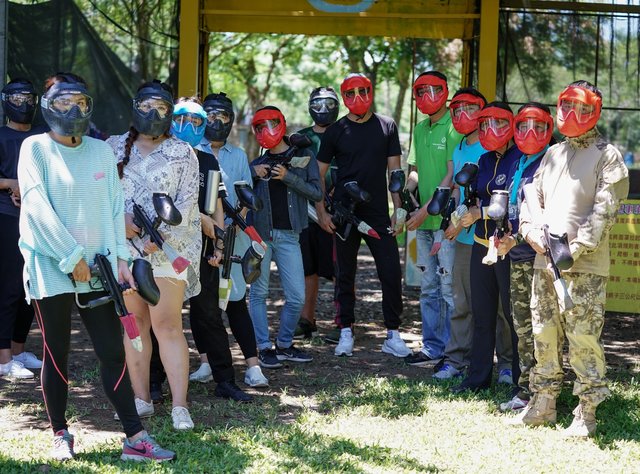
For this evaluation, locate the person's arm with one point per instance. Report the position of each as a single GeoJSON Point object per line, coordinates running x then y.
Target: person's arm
{"type": "Point", "coordinates": [309, 187]}
{"type": "Point", "coordinates": [326, 153]}
{"type": "Point", "coordinates": [612, 188]}
{"type": "Point", "coordinates": [117, 209]}
{"type": "Point", "coordinates": [185, 200]}
{"type": "Point", "coordinates": [47, 235]}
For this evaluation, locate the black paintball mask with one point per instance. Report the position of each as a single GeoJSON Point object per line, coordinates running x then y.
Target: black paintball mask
{"type": "Point", "coordinates": [152, 110]}
{"type": "Point", "coordinates": [67, 108]}
{"type": "Point", "coordinates": [324, 106]}
{"type": "Point", "coordinates": [220, 117]}
{"type": "Point", "coordinates": [19, 101]}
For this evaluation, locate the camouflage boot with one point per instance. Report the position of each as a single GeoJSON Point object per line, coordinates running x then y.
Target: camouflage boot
{"type": "Point", "coordinates": [584, 422]}
{"type": "Point", "coordinates": [540, 410]}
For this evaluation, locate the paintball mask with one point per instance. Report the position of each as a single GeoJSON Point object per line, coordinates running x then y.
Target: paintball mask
{"type": "Point", "coordinates": [464, 110]}
{"type": "Point", "coordinates": [189, 122]}
{"type": "Point", "coordinates": [495, 127]}
{"type": "Point", "coordinates": [578, 111]}
{"type": "Point", "coordinates": [269, 127]}
{"type": "Point", "coordinates": [357, 93]}
{"type": "Point", "coordinates": [323, 106]}
{"type": "Point", "coordinates": [220, 116]}
{"type": "Point", "coordinates": [430, 92]}
{"type": "Point", "coordinates": [152, 110]}
{"type": "Point", "coordinates": [533, 130]}
{"type": "Point", "coordinates": [67, 108]}
{"type": "Point", "coordinates": [19, 101]}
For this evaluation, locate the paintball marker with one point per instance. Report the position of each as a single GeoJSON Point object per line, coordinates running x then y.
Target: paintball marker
{"type": "Point", "coordinates": [247, 198]}
{"type": "Point", "coordinates": [441, 204]}
{"type": "Point", "coordinates": [557, 252]}
{"type": "Point", "coordinates": [466, 178]}
{"type": "Point", "coordinates": [296, 142]}
{"type": "Point", "coordinates": [343, 216]}
{"type": "Point", "coordinates": [170, 215]}
{"type": "Point", "coordinates": [498, 211]}
{"type": "Point", "coordinates": [397, 182]}
{"type": "Point", "coordinates": [146, 287]}
{"type": "Point", "coordinates": [252, 258]}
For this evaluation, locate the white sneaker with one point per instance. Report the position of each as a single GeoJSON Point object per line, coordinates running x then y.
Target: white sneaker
{"type": "Point", "coordinates": [181, 418]}
{"type": "Point", "coordinates": [505, 377]}
{"type": "Point", "coordinates": [144, 409]}
{"type": "Point", "coordinates": [515, 404]}
{"type": "Point", "coordinates": [203, 374]}
{"type": "Point", "coordinates": [255, 378]}
{"type": "Point", "coordinates": [345, 344]}
{"type": "Point", "coordinates": [394, 345]}
{"type": "Point", "coordinates": [15, 370]}
{"type": "Point", "coordinates": [29, 360]}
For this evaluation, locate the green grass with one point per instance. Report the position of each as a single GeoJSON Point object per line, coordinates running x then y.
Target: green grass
{"type": "Point", "coordinates": [368, 424]}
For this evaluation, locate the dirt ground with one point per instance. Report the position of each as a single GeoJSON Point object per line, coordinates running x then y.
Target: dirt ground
{"type": "Point", "coordinates": [91, 410]}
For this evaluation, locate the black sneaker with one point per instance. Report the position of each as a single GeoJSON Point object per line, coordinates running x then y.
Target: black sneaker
{"type": "Point", "coordinates": [293, 354]}
{"type": "Point", "coordinates": [268, 359]}
{"type": "Point", "coordinates": [333, 336]}
{"type": "Point", "coordinates": [305, 329]}
{"type": "Point", "coordinates": [155, 390]}
{"type": "Point", "coordinates": [232, 391]}
{"type": "Point", "coordinates": [420, 359]}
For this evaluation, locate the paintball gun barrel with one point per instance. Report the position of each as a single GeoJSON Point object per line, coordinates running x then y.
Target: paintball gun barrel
{"type": "Point", "coordinates": [343, 215]}
{"type": "Point", "coordinates": [557, 252]}
{"type": "Point", "coordinates": [166, 213]}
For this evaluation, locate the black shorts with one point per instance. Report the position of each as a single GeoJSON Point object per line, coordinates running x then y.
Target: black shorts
{"type": "Point", "coordinates": [318, 254]}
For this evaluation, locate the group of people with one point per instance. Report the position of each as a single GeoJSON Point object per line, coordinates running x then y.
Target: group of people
{"type": "Point", "coordinates": [528, 232]}
{"type": "Point", "coordinates": [316, 195]}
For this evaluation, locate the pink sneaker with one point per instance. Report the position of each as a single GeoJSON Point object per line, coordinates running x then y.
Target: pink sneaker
{"type": "Point", "coordinates": [145, 449]}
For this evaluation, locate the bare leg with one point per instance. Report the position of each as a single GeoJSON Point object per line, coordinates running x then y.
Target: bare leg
{"type": "Point", "coordinates": [17, 347]}
{"type": "Point", "coordinates": [166, 319]}
{"type": "Point", "coordinates": [138, 362]}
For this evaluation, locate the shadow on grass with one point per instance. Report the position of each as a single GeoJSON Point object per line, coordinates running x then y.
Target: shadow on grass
{"type": "Point", "coordinates": [286, 448]}
{"type": "Point", "coordinates": [395, 397]}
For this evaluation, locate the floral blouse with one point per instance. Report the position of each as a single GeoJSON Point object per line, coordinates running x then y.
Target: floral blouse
{"type": "Point", "coordinates": [171, 168]}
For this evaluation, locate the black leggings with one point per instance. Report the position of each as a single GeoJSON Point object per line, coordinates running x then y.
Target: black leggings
{"type": "Point", "coordinates": [54, 318]}
{"type": "Point", "coordinates": [208, 329]}
{"type": "Point", "coordinates": [16, 315]}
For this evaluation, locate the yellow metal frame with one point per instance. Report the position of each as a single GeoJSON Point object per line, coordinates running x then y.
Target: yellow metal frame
{"type": "Point", "coordinates": [436, 19]}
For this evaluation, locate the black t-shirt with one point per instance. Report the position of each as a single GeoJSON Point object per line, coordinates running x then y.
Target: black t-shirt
{"type": "Point", "coordinates": [10, 142]}
{"type": "Point", "coordinates": [361, 151]}
{"type": "Point", "coordinates": [278, 197]}
{"type": "Point", "coordinates": [207, 162]}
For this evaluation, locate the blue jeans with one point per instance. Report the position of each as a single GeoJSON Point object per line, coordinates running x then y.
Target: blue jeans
{"type": "Point", "coordinates": [436, 292]}
{"type": "Point", "coordinates": [284, 249]}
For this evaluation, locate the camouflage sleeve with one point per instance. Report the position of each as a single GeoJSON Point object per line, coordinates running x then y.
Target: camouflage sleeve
{"type": "Point", "coordinates": [612, 188]}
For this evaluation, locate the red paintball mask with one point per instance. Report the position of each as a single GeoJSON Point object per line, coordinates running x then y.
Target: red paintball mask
{"type": "Point", "coordinates": [578, 111]}
{"type": "Point", "coordinates": [464, 110]}
{"type": "Point", "coordinates": [431, 93]}
{"type": "Point", "coordinates": [269, 127]}
{"type": "Point", "coordinates": [495, 127]}
{"type": "Point", "coordinates": [533, 130]}
{"type": "Point", "coordinates": [357, 94]}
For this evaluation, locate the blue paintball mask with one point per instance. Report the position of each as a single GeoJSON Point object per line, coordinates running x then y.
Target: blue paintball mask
{"type": "Point", "coordinates": [189, 122]}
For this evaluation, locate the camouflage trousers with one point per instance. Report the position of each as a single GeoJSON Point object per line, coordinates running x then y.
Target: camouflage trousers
{"type": "Point", "coordinates": [582, 327]}
{"type": "Point", "coordinates": [521, 278]}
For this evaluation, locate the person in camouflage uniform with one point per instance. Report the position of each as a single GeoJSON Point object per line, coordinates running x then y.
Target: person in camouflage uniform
{"type": "Point", "coordinates": [579, 187]}
{"type": "Point", "coordinates": [533, 133]}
